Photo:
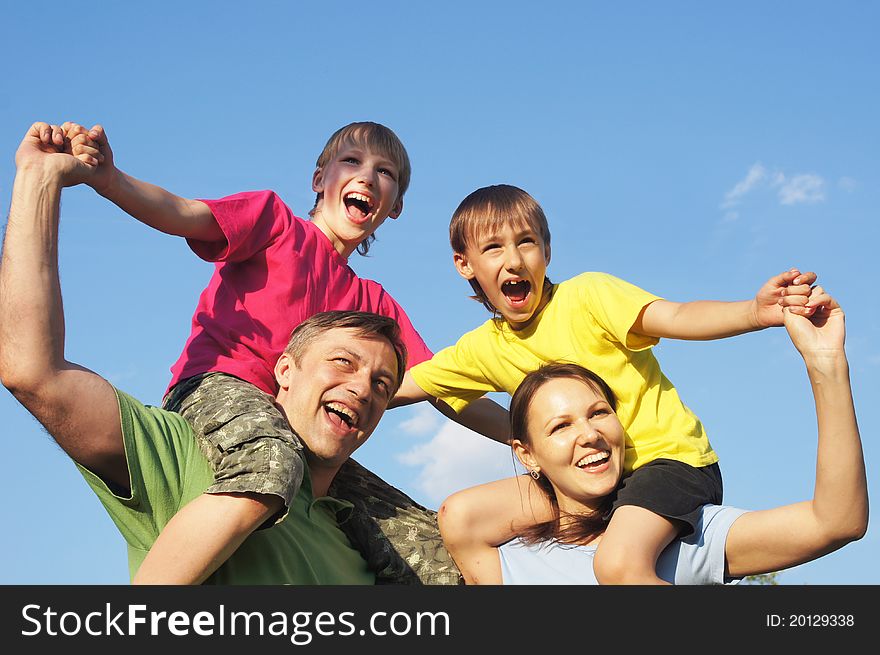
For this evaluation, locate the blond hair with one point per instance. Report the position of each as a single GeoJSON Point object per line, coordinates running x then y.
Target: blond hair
{"type": "Point", "coordinates": [372, 137]}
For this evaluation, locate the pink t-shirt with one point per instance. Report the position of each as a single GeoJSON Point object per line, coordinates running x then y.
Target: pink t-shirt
{"type": "Point", "coordinates": [274, 271]}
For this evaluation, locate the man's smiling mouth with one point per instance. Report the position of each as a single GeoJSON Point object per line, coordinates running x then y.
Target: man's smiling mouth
{"type": "Point", "coordinates": [342, 413]}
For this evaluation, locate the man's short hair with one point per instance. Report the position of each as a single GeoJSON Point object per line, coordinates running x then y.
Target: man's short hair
{"type": "Point", "coordinates": [364, 323]}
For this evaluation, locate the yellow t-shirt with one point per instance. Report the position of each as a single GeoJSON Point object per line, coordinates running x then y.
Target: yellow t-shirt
{"type": "Point", "coordinates": [587, 321]}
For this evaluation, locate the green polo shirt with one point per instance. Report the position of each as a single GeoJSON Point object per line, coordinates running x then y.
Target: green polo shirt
{"type": "Point", "coordinates": [167, 470]}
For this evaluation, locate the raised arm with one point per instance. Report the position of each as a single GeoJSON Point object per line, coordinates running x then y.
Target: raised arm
{"type": "Point", "coordinates": [786, 536]}
{"type": "Point", "coordinates": [148, 203]}
{"type": "Point", "coordinates": [711, 319]}
{"type": "Point", "coordinates": [76, 406]}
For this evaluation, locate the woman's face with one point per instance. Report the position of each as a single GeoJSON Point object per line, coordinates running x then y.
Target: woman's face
{"type": "Point", "coordinates": [576, 440]}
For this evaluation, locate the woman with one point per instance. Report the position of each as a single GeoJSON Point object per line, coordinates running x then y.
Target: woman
{"type": "Point", "coordinates": [565, 432]}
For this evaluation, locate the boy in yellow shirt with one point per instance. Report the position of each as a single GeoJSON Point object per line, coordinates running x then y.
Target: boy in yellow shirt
{"type": "Point", "coordinates": [501, 244]}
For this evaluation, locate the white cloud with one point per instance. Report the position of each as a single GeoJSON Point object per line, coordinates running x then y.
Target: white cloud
{"type": "Point", "coordinates": [757, 173]}
{"type": "Point", "coordinates": [791, 189]}
{"type": "Point", "coordinates": [804, 188]}
{"type": "Point", "coordinates": [423, 420]}
{"type": "Point", "coordinates": [457, 458]}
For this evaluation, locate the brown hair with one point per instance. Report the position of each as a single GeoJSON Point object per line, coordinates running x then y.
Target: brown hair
{"type": "Point", "coordinates": [373, 137]}
{"type": "Point", "coordinates": [365, 323]}
{"type": "Point", "coordinates": [487, 209]}
{"type": "Point", "coordinates": [564, 529]}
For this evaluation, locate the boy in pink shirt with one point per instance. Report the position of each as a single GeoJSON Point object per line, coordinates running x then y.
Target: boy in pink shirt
{"type": "Point", "coordinates": [274, 270]}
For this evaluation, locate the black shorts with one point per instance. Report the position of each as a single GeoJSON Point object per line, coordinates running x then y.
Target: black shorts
{"type": "Point", "coordinates": [672, 489]}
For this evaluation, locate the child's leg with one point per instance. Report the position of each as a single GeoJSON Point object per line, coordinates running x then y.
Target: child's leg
{"type": "Point", "coordinates": [398, 537]}
{"type": "Point", "coordinates": [657, 503]}
{"type": "Point", "coordinates": [258, 468]}
{"type": "Point", "coordinates": [630, 546]}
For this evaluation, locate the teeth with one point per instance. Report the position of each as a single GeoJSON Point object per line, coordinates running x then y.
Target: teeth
{"type": "Point", "coordinates": [592, 459]}
{"type": "Point", "coordinates": [339, 408]}
{"type": "Point", "coordinates": [361, 197]}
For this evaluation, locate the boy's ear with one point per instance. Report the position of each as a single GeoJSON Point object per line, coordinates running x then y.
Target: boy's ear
{"type": "Point", "coordinates": [318, 180]}
{"type": "Point", "coordinates": [462, 265]}
{"type": "Point", "coordinates": [523, 454]}
{"type": "Point", "coordinates": [397, 209]}
{"type": "Point", "coordinates": [547, 253]}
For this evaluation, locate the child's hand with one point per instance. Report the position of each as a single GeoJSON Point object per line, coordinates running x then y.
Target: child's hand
{"type": "Point", "coordinates": [789, 289]}
{"type": "Point", "coordinates": [92, 148]}
{"type": "Point", "coordinates": [81, 146]}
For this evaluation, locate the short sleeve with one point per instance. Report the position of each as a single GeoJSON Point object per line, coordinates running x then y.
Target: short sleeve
{"type": "Point", "coordinates": [615, 305]}
{"type": "Point", "coordinates": [416, 349]}
{"type": "Point", "coordinates": [250, 221]}
{"type": "Point", "coordinates": [700, 558]}
{"type": "Point", "coordinates": [453, 375]}
{"type": "Point", "coordinates": [158, 446]}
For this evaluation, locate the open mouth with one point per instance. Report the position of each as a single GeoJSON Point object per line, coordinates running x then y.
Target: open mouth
{"type": "Point", "coordinates": [341, 416]}
{"type": "Point", "coordinates": [516, 291]}
{"type": "Point", "coordinates": [358, 205]}
{"type": "Point", "coordinates": [594, 461]}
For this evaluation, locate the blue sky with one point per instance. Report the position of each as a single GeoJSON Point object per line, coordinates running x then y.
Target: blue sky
{"type": "Point", "coordinates": [693, 149]}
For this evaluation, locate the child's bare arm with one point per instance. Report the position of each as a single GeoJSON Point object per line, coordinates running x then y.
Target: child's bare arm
{"type": "Point", "coordinates": [408, 393]}
{"type": "Point", "coordinates": [709, 319]}
{"type": "Point", "coordinates": [146, 202]}
{"type": "Point", "coordinates": [483, 416]}
{"type": "Point", "coordinates": [475, 521]}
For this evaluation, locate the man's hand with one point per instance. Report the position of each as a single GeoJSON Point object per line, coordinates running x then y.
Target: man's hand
{"type": "Point", "coordinates": [47, 148]}
{"type": "Point", "coordinates": [790, 289]}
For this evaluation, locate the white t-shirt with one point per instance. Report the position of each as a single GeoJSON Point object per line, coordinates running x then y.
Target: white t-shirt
{"type": "Point", "coordinates": [695, 560]}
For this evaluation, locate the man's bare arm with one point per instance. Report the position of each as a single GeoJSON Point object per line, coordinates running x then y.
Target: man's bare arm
{"type": "Point", "coordinates": [76, 406]}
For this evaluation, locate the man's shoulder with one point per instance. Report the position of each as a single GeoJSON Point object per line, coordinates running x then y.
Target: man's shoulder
{"type": "Point", "coordinates": [136, 415]}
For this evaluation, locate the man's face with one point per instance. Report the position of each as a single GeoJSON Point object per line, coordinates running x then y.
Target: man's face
{"type": "Point", "coordinates": [360, 191]}
{"type": "Point", "coordinates": [335, 396]}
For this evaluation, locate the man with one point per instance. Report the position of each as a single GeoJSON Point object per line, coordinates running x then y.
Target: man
{"type": "Point", "coordinates": [335, 378]}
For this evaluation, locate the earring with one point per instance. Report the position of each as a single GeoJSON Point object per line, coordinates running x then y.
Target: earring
{"type": "Point", "coordinates": [535, 473]}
